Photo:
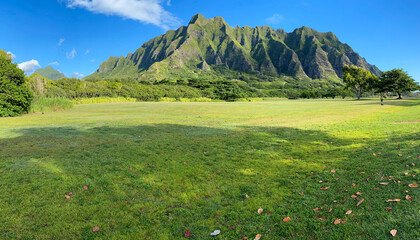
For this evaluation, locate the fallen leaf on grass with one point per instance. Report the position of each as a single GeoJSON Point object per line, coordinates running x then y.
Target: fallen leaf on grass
{"type": "Point", "coordinates": [353, 196]}
{"type": "Point", "coordinates": [322, 219]}
{"type": "Point", "coordinates": [409, 198]}
{"type": "Point", "coordinates": [215, 233]}
{"type": "Point", "coordinates": [67, 196]}
{"type": "Point", "coordinates": [353, 184]}
{"type": "Point", "coordinates": [349, 212]}
{"type": "Point", "coordinates": [325, 188]}
{"type": "Point", "coordinates": [95, 229]}
{"type": "Point", "coordinates": [317, 209]}
{"type": "Point", "coordinates": [257, 237]}
{"type": "Point", "coordinates": [187, 233]}
{"type": "Point", "coordinates": [338, 221]}
{"type": "Point", "coordinates": [85, 187]}
{"type": "Point", "coordinates": [246, 195]}
{"type": "Point", "coordinates": [260, 210]}
{"type": "Point", "coordinates": [384, 183]}
{"type": "Point", "coordinates": [286, 219]}
{"type": "Point", "coordinates": [320, 181]}
{"type": "Point", "coordinates": [394, 200]}
{"type": "Point", "coordinates": [388, 208]}
{"type": "Point", "coordinates": [359, 193]}
{"type": "Point", "coordinates": [413, 185]}
{"type": "Point", "coordinates": [360, 202]}
{"type": "Point", "coordinates": [393, 232]}
{"type": "Point", "coordinates": [333, 171]}
{"type": "Point", "coordinates": [406, 173]}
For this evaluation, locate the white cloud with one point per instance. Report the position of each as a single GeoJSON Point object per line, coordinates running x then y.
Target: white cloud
{"type": "Point", "coordinates": [29, 66]}
{"type": "Point", "coordinates": [72, 54]}
{"type": "Point", "coordinates": [77, 75]}
{"type": "Point", "coordinates": [54, 63]}
{"type": "Point", "coordinates": [147, 11]}
{"type": "Point", "coordinates": [275, 19]}
{"type": "Point", "coordinates": [87, 52]}
{"type": "Point", "coordinates": [61, 41]}
{"type": "Point", "coordinates": [92, 60]}
{"type": "Point", "coordinates": [11, 54]}
{"type": "Point", "coordinates": [168, 3]}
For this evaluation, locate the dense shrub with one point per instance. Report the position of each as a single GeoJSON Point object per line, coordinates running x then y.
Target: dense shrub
{"type": "Point", "coordinates": [15, 96]}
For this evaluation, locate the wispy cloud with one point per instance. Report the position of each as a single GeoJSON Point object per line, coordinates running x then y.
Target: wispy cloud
{"type": "Point", "coordinates": [54, 63]}
{"type": "Point", "coordinates": [87, 52]}
{"type": "Point", "coordinates": [168, 3]}
{"type": "Point", "coordinates": [29, 66]}
{"type": "Point", "coordinates": [12, 55]}
{"type": "Point", "coordinates": [147, 11]}
{"type": "Point", "coordinates": [72, 54]}
{"type": "Point", "coordinates": [275, 19]}
{"type": "Point", "coordinates": [60, 42]}
{"type": "Point", "coordinates": [77, 75]}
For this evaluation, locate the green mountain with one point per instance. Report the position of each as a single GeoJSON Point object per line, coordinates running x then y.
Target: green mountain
{"type": "Point", "coordinates": [50, 73]}
{"type": "Point", "coordinates": [211, 47]}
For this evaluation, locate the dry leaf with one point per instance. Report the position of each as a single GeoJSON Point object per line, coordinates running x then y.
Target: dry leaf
{"type": "Point", "coordinates": [384, 183]}
{"type": "Point", "coordinates": [286, 219]}
{"type": "Point", "coordinates": [359, 193]}
{"type": "Point", "coordinates": [322, 219]}
{"type": "Point", "coordinates": [317, 209]}
{"type": "Point", "coordinates": [260, 210]}
{"type": "Point", "coordinates": [246, 195]}
{"type": "Point", "coordinates": [338, 221]}
{"type": "Point", "coordinates": [393, 232]}
{"type": "Point", "coordinates": [257, 237]}
{"type": "Point", "coordinates": [353, 184]}
{"type": "Point", "coordinates": [187, 233]}
{"type": "Point", "coordinates": [325, 188]}
{"type": "Point", "coordinates": [67, 196]}
{"type": "Point", "coordinates": [394, 200]}
{"type": "Point", "coordinates": [406, 173]}
{"type": "Point", "coordinates": [388, 208]}
{"type": "Point", "coordinates": [413, 185]}
{"type": "Point", "coordinates": [409, 198]}
{"type": "Point", "coordinates": [349, 212]}
{"type": "Point", "coordinates": [95, 229]}
{"type": "Point", "coordinates": [333, 171]}
{"type": "Point", "coordinates": [353, 196]}
{"type": "Point", "coordinates": [360, 202]}
{"type": "Point", "coordinates": [85, 187]}
{"type": "Point", "coordinates": [320, 181]}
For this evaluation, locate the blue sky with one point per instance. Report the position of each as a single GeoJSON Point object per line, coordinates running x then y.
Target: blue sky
{"type": "Point", "coordinates": [75, 36]}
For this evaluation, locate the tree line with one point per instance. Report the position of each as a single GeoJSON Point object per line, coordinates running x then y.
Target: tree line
{"type": "Point", "coordinates": [18, 91]}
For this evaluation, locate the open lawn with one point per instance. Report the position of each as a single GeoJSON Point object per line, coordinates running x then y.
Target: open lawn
{"type": "Point", "coordinates": [169, 170]}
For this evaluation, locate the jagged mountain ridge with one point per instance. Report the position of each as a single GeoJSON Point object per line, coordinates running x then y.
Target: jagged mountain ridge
{"type": "Point", "coordinates": [207, 43]}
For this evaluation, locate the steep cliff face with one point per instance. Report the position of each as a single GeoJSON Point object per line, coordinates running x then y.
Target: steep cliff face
{"type": "Point", "coordinates": [207, 43]}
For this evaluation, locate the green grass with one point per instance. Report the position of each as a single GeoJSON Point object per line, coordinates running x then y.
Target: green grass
{"type": "Point", "coordinates": [131, 157]}
{"type": "Point", "coordinates": [42, 104]}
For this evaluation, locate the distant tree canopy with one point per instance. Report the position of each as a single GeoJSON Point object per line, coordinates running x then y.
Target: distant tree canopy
{"type": "Point", "coordinates": [15, 96]}
{"type": "Point", "coordinates": [358, 79]}
{"type": "Point", "coordinates": [398, 81]}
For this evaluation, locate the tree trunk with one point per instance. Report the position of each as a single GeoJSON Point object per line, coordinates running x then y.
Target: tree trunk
{"type": "Point", "coordinates": [399, 96]}
{"type": "Point", "coordinates": [358, 95]}
{"type": "Point", "coordinates": [382, 100]}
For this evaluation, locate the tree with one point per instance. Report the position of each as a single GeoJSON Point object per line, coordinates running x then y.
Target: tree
{"type": "Point", "coordinates": [361, 80]}
{"type": "Point", "coordinates": [398, 81]}
{"type": "Point", "coordinates": [15, 96]}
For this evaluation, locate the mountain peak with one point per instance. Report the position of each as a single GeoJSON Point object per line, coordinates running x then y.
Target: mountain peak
{"type": "Point", "coordinates": [198, 18]}
{"type": "Point", "coordinates": [50, 73]}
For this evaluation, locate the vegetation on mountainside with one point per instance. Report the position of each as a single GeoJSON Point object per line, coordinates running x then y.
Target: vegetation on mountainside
{"type": "Point", "coordinates": [50, 73]}
{"type": "Point", "coordinates": [200, 49]}
{"type": "Point", "coordinates": [15, 97]}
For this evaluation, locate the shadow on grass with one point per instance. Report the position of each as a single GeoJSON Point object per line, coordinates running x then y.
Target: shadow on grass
{"type": "Point", "coordinates": [156, 181]}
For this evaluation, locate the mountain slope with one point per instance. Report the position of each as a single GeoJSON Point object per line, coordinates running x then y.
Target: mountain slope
{"type": "Point", "coordinates": [50, 73]}
{"type": "Point", "coordinates": [207, 45]}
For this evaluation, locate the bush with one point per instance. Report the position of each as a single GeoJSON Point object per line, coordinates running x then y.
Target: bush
{"type": "Point", "coordinates": [102, 100]}
{"type": "Point", "coordinates": [15, 96]}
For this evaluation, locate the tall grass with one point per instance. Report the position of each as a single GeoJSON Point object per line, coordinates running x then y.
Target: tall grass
{"type": "Point", "coordinates": [43, 104]}
{"type": "Point", "coordinates": [103, 100]}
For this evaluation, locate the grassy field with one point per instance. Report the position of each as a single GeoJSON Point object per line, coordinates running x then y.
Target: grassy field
{"type": "Point", "coordinates": [175, 170]}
